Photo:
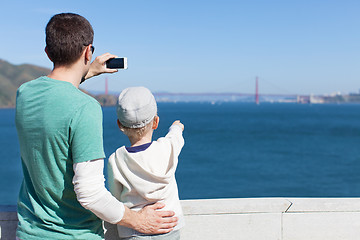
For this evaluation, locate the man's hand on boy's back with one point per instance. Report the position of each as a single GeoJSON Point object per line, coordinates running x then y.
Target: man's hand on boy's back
{"type": "Point", "coordinates": [149, 220]}
{"type": "Point", "coordinates": [177, 122]}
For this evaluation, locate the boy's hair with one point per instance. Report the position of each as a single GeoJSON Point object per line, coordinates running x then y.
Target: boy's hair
{"type": "Point", "coordinates": [66, 36]}
{"type": "Point", "coordinates": [136, 133]}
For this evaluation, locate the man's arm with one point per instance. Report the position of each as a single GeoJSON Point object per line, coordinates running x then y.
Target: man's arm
{"type": "Point", "coordinates": [91, 193]}
{"type": "Point", "coordinates": [89, 186]}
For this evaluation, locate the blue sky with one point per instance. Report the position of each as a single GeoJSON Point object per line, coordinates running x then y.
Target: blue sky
{"type": "Point", "coordinates": [205, 46]}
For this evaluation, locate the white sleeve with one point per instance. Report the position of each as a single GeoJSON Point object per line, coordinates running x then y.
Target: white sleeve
{"type": "Point", "coordinates": [89, 186]}
{"type": "Point", "coordinates": [176, 138]}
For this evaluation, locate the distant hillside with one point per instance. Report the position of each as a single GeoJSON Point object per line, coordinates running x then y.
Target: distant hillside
{"type": "Point", "coordinates": [12, 76]}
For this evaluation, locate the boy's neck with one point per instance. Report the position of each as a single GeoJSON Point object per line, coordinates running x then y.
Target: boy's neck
{"type": "Point", "coordinates": [147, 138]}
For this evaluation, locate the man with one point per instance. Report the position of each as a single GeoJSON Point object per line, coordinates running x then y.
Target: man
{"type": "Point", "coordinates": [60, 134]}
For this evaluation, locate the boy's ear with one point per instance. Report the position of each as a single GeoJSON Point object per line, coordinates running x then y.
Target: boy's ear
{"type": "Point", "coordinates": [119, 124]}
{"type": "Point", "coordinates": [156, 122]}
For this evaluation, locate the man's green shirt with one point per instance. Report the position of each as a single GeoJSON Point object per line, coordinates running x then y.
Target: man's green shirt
{"type": "Point", "coordinates": [58, 125]}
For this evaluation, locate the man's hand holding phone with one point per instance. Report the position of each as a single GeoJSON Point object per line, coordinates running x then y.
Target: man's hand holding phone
{"type": "Point", "coordinates": [98, 66]}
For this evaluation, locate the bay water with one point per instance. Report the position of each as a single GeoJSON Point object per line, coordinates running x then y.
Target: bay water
{"type": "Point", "coordinates": [235, 150]}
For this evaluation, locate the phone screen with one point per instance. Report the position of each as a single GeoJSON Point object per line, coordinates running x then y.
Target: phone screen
{"type": "Point", "coordinates": [115, 63]}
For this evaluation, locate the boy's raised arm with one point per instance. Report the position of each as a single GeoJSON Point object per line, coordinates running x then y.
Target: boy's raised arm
{"type": "Point", "coordinates": [175, 136]}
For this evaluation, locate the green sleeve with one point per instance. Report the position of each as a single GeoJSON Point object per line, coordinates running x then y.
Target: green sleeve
{"type": "Point", "coordinates": [86, 134]}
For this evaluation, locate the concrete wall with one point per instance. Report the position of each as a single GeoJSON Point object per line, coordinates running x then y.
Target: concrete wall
{"type": "Point", "coordinates": [253, 218]}
{"type": "Point", "coordinates": [8, 222]}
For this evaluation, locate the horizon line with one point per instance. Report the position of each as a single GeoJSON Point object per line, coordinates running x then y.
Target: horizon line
{"type": "Point", "coordinates": [162, 93]}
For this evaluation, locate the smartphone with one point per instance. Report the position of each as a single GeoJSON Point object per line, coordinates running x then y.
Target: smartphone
{"type": "Point", "coordinates": [118, 63]}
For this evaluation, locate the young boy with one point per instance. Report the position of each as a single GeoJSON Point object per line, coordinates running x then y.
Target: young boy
{"type": "Point", "coordinates": [145, 172]}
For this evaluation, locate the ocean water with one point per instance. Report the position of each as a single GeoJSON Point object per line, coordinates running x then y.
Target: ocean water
{"type": "Point", "coordinates": [235, 150]}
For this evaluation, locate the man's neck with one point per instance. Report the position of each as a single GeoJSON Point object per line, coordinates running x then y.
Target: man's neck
{"type": "Point", "coordinates": [71, 74]}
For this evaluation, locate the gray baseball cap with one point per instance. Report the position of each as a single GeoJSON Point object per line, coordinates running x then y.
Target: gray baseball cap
{"type": "Point", "coordinates": [136, 107]}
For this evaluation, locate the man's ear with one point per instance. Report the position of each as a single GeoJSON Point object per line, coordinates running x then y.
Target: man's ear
{"type": "Point", "coordinates": [155, 122]}
{"type": "Point", "coordinates": [47, 53]}
{"type": "Point", "coordinates": [88, 54]}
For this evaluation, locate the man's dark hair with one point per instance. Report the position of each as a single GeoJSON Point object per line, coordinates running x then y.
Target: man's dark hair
{"type": "Point", "coordinates": [66, 36]}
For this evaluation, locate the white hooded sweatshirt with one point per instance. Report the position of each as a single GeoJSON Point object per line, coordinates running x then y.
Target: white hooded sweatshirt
{"type": "Point", "coordinates": [141, 178]}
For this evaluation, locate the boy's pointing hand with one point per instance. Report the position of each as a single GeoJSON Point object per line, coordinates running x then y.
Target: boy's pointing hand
{"type": "Point", "coordinates": [177, 122]}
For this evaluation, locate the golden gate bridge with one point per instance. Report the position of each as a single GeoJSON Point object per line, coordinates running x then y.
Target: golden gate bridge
{"type": "Point", "coordinates": [256, 95]}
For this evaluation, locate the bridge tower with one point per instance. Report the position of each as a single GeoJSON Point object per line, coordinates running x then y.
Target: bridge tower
{"type": "Point", "coordinates": [257, 91]}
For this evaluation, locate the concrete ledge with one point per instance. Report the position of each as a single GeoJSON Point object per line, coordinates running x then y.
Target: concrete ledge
{"type": "Point", "coordinates": [8, 222]}
{"type": "Point", "coordinates": [252, 218]}
{"type": "Point", "coordinates": [324, 205]}
{"type": "Point", "coordinates": [234, 206]}
{"type": "Point", "coordinates": [321, 225]}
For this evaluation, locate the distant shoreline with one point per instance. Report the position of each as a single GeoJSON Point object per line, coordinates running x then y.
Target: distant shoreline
{"type": "Point", "coordinates": [2, 107]}
{"type": "Point", "coordinates": [220, 102]}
